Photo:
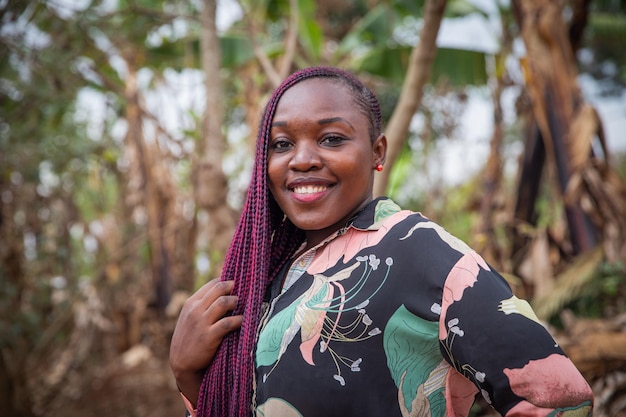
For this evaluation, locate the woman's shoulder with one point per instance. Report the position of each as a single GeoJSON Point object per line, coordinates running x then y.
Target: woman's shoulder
{"type": "Point", "coordinates": [408, 225]}
{"type": "Point", "coordinates": [384, 212]}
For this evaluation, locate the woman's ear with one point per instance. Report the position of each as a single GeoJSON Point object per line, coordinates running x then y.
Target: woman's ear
{"type": "Point", "coordinates": [379, 148]}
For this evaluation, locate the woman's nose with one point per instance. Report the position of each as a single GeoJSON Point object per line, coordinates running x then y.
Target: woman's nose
{"type": "Point", "coordinates": [305, 157]}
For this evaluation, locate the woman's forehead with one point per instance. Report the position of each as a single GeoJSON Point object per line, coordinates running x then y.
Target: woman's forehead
{"type": "Point", "coordinates": [316, 89]}
{"type": "Point", "coordinates": [316, 82]}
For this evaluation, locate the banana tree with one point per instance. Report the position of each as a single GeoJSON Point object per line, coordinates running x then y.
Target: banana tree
{"type": "Point", "coordinates": [562, 131]}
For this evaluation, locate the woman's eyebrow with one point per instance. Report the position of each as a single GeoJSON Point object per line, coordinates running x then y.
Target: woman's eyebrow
{"type": "Point", "coordinates": [333, 120]}
{"type": "Point", "coordinates": [320, 122]}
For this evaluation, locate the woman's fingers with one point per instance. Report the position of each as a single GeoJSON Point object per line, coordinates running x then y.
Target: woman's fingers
{"type": "Point", "coordinates": [203, 322]}
{"type": "Point", "coordinates": [212, 290]}
{"type": "Point", "coordinates": [221, 328]}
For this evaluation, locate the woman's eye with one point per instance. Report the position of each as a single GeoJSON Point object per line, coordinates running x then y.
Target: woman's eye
{"type": "Point", "coordinates": [333, 140]}
{"type": "Point", "coordinates": [281, 144]}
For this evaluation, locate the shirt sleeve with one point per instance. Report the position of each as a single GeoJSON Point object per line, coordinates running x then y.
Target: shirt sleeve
{"type": "Point", "coordinates": [191, 411]}
{"type": "Point", "coordinates": [497, 342]}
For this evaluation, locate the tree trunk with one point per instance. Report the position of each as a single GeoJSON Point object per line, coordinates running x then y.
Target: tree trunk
{"type": "Point", "coordinates": [156, 197]}
{"type": "Point", "coordinates": [417, 75]}
{"type": "Point", "coordinates": [551, 72]}
{"type": "Point", "coordinates": [14, 394]}
{"type": "Point", "coordinates": [211, 184]}
{"type": "Point", "coordinates": [486, 240]}
{"type": "Point", "coordinates": [580, 17]}
{"type": "Point", "coordinates": [491, 183]}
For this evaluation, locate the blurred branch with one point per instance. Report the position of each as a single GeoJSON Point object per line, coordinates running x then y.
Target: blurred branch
{"type": "Point", "coordinates": [418, 73]}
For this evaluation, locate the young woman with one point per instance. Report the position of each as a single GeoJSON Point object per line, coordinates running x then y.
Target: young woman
{"type": "Point", "coordinates": [335, 304]}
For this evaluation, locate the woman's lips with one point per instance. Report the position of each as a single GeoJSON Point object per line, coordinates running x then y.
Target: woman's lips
{"type": "Point", "coordinates": [309, 193]}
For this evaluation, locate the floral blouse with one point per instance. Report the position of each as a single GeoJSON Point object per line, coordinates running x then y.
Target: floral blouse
{"type": "Point", "coordinates": [393, 316]}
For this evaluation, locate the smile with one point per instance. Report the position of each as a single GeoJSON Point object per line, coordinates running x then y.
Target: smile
{"type": "Point", "coordinates": [309, 189]}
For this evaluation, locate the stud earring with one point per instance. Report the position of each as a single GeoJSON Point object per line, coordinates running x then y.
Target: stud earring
{"type": "Point", "coordinates": [379, 167]}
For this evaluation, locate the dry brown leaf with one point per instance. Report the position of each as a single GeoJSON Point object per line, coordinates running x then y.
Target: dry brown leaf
{"type": "Point", "coordinates": [581, 134]}
{"type": "Point", "coordinates": [568, 284]}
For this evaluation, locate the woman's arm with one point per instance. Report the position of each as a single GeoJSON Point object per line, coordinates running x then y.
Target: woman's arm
{"type": "Point", "coordinates": [202, 324]}
{"type": "Point", "coordinates": [495, 340]}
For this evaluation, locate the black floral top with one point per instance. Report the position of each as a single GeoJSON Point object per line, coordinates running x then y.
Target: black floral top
{"type": "Point", "coordinates": [393, 316]}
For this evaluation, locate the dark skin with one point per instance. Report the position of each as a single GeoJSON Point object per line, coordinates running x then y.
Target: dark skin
{"type": "Point", "coordinates": [201, 326]}
{"type": "Point", "coordinates": [321, 160]}
{"type": "Point", "coordinates": [321, 166]}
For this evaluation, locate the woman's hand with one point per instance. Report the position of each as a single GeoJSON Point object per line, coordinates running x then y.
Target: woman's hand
{"type": "Point", "coordinates": [201, 326]}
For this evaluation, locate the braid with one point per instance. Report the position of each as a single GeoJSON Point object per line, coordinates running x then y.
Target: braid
{"type": "Point", "coordinates": [263, 242]}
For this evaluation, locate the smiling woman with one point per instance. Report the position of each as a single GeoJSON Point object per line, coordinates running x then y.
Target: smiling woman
{"type": "Point", "coordinates": [321, 159]}
{"type": "Point", "coordinates": [335, 304]}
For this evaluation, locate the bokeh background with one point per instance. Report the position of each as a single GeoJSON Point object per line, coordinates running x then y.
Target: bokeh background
{"type": "Point", "coordinates": [127, 130]}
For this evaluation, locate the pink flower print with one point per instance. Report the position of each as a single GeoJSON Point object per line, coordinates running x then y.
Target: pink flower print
{"type": "Point", "coordinates": [352, 242]}
{"type": "Point", "coordinates": [549, 383]}
{"type": "Point", "coordinates": [462, 275]}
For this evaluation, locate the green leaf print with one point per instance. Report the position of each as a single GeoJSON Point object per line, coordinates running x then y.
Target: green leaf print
{"type": "Point", "coordinates": [412, 348]}
{"type": "Point", "coordinates": [384, 209]}
{"type": "Point", "coordinates": [318, 299]}
{"type": "Point", "coordinates": [271, 338]}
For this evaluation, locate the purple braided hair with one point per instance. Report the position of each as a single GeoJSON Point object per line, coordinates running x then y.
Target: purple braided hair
{"type": "Point", "coordinates": [263, 242]}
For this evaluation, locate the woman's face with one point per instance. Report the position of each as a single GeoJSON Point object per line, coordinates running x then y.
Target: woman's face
{"type": "Point", "coordinates": [321, 159]}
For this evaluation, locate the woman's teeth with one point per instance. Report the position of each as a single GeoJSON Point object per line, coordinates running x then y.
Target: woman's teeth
{"type": "Point", "coordinates": [309, 189]}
